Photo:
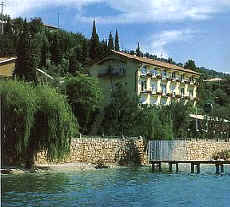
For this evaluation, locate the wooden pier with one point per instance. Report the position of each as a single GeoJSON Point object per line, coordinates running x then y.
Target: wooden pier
{"type": "Point", "coordinates": [194, 163]}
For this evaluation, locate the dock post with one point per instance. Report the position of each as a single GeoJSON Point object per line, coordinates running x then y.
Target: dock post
{"type": "Point", "coordinates": [177, 168]}
{"type": "Point", "coordinates": [159, 165]}
{"type": "Point", "coordinates": [153, 167]}
{"type": "Point", "coordinates": [192, 167]}
{"type": "Point", "coordinates": [170, 166]}
{"type": "Point", "coordinates": [217, 168]}
{"type": "Point", "coordinates": [222, 168]}
{"type": "Point", "coordinates": [198, 168]}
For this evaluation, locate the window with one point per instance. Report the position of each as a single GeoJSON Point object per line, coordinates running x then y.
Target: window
{"type": "Point", "coordinates": [173, 74]}
{"type": "Point", "coordinates": [163, 88]}
{"type": "Point", "coordinates": [153, 100]}
{"type": "Point", "coordinates": [154, 86]}
{"type": "Point", "coordinates": [143, 85]}
{"type": "Point", "coordinates": [164, 74]}
{"type": "Point", "coordinates": [182, 77]}
{"type": "Point", "coordinates": [172, 88]}
{"type": "Point", "coordinates": [190, 92]}
{"type": "Point", "coordinates": [144, 70]}
{"type": "Point", "coordinates": [182, 91]}
{"type": "Point", "coordinates": [154, 72]}
{"type": "Point", "coordinates": [144, 99]}
{"type": "Point", "coordinates": [163, 101]}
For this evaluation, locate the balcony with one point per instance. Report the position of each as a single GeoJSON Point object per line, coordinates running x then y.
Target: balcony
{"type": "Point", "coordinates": [159, 76]}
{"type": "Point", "coordinates": [154, 91]}
{"type": "Point", "coordinates": [146, 90]}
{"type": "Point", "coordinates": [112, 72]}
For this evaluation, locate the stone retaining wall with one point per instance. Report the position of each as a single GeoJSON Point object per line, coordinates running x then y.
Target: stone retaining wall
{"type": "Point", "coordinates": [94, 150]}
{"type": "Point", "coordinates": [124, 151]}
{"type": "Point", "coordinates": [204, 149]}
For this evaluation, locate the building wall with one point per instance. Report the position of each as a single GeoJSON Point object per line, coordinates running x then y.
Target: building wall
{"type": "Point", "coordinates": [161, 86]}
{"type": "Point", "coordinates": [140, 78]}
{"type": "Point", "coordinates": [108, 82]}
{"type": "Point", "coordinates": [6, 70]}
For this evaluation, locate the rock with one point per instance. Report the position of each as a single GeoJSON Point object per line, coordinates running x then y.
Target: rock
{"type": "Point", "coordinates": [5, 171]}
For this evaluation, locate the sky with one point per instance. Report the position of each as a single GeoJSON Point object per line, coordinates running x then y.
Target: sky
{"type": "Point", "coordinates": [180, 29]}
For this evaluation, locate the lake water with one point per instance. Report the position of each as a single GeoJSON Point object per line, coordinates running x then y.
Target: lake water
{"type": "Point", "coordinates": [117, 187]}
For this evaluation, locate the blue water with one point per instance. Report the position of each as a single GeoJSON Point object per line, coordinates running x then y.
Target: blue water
{"type": "Point", "coordinates": [117, 187]}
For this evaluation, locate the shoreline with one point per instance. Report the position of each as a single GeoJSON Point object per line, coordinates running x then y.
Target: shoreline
{"type": "Point", "coordinates": [40, 168]}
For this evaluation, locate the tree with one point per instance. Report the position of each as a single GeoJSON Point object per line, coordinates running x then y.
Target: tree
{"type": "Point", "coordinates": [84, 96]}
{"type": "Point", "coordinates": [84, 51]}
{"type": "Point", "coordinates": [138, 51]}
{"type": "Point", "coordinates": [121, 114]}
{"type": "Point", "coordinates": [44, 50]}
{"type": "Point", "coordinates": [75, 60]}
{"type": "Point", "coordinates": [110, 43]}
{"type": "Point", "coordinates": [190, 64]}
{"type": "Point", "coordinates": [27, 52]}
{"type": "Point", "coordinates": [94, 43]}
{"type": "Point", "coordinates": [34, 119]}
{"type": "Point", "coordinates": [117, 47]}
{"type": "Point", "coordinates": [56, 49]}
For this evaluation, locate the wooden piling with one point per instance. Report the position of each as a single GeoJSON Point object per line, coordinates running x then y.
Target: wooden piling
{"type": "Point", "coordinates": [222, 168]}
{"type": "Point", "coordinates": [177, 168]}
{"type": "Point", "coordinates": [170, 167]}
{"type": "Point", "coordinates": [217, 168]}
{"type": "Point", "coordinates": [192, 167]}
{"type": "Point", "coordinates": [198, 168]}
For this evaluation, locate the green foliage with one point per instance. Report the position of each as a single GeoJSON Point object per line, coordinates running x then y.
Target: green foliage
{"type": "Point", "coordinates": [123, 116]}
{"type": "Point", "coordinates": [54, 123]}
{"type": "Point", "coordinates": [138, 51]}
{"type": "Point", "coordinates": [94, 43]}
{"type": "Point", "coordinates": [179, 113]}
{"type": "Point", "coordinates": [190, 64]}
{"type": "Point", "coordinates": [84, 96]}
{"type": "Point", "coordinates": [34, 119]}
{"type": "Point", "coordinates": [121, 113]}
{"type": "Point", "coordinates": [110, 43]}
{"type": "Point", "coordinates": [117, 47]}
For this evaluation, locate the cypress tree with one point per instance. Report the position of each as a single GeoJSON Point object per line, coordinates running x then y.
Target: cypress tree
{"type": "Point", "coordinates": [110, 44]}
{"type": "Point", "coordinates": [117, 47]}
{"type": "Point", "coordinates": [138, 51]}
{"type": "Point", "coordinates": [94, 43]}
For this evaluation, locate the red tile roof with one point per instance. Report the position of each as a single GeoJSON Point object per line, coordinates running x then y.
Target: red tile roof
{"type": "Point", "coordinates": [154, 62]}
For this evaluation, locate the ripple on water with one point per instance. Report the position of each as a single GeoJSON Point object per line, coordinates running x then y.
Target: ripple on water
{"type": "Point", "coordinates": [117, 187]}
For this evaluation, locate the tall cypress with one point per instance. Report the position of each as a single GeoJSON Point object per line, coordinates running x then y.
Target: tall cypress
{"type": "Point", "coordinates": [138, 51]}
{"type": "Point", "coordinates": [94, 42]}
{"type": "Point", "coordinates": [110, 44]}
{"type": "Point", "coordinates": [117, 47]}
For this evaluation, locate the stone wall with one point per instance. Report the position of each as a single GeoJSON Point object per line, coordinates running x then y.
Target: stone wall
{"type": "Point", "coordinates": [106, 150]}
{"type": "Point", "coordinates": [204, 149]}
{"type": "Point", "coordinates": [125, 151]}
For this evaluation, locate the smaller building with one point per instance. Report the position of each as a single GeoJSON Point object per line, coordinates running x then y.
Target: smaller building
{"type": "Point", "coordinates": [7, 66]}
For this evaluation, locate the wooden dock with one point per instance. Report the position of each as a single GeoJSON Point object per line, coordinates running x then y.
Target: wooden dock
{"type": "Point", "coordinates": [194, 163]}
